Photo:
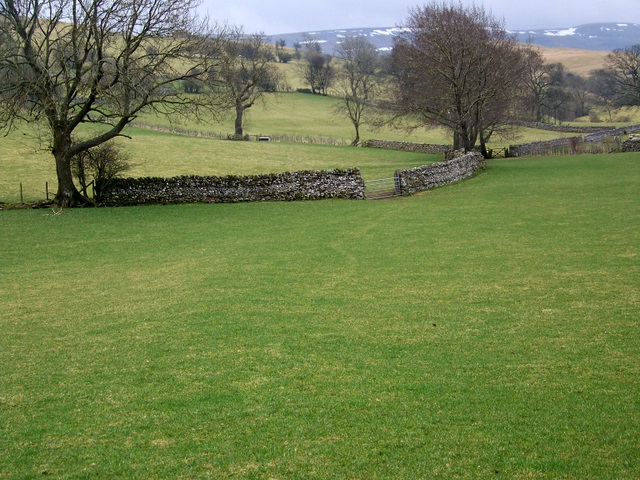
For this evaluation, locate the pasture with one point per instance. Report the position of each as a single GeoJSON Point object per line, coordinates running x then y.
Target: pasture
{"type": "Point", "coordinates": [24, 158]}
{"type": "Point", "coordinates": [488, 329]}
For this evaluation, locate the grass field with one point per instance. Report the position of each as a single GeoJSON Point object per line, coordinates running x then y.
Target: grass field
{"type": "Point", "coordinates": [484, 330]}
{"type": "Point", "coordinates": [582, 62]}
{"type": "Point", "coordinates": [165, 155]}
{"type": "Point", "coordinates": [23, 160]}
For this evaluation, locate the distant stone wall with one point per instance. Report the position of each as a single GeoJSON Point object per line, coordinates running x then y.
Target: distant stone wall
{"type": "Point", "coordinates": [616, 132]}
{"type": "Point", "coordinates": [547, 147]}
{"type": "Point", "coordinates": [407, 146]}
{"type": "Point", "coordinates": [439, 174]}
{"type": "Point", "coordinates": [569, 145]}
{"type": "Point", "coordinates": [305, 185]}
{"type": "Point", "coordinates": [564, 128]}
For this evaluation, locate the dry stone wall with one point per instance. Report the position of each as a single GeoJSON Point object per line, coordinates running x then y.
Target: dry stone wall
{"type": "Point", "coordinates": [545, 147]}
{"type": "Point", "coordinates": [569, 144]}
{"type": "Point", "coordinates": [305, 185]}
{"type": "Point", "coordinates": [439, 174]}
{"type": "Point", "coordinates": [407, 146]}
{"type": "Point", "coordinates": [564, 128]}
{"type": "Point", "coordinates": [631, 145]}
{"type": "Point", "coordinates": [616, 132]}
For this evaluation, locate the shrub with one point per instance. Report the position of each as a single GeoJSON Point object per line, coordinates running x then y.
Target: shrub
{"type": "Point", "coordinates": [102, 165]}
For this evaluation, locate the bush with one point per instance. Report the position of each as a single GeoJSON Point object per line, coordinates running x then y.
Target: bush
{"type": "Point", "coordinates": [100, 165]}
{"type": "Point", "coordinates": [285, 57]}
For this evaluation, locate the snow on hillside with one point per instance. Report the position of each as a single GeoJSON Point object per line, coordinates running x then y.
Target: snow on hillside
{"type": "Point", "coordinates": [593, 36]}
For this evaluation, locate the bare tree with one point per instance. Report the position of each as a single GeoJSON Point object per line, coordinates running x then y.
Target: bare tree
{"type": "Point", "coordinates": [316, 68]}
{"type": "Point", "coordinates": [457, 68]}
{"type": "Point", "coordinates": [71, 62]}
{"type": "Point", "coordinates": [603, 86]}
{"type": "Point", "coordinates": [297, 46]}
{"type": "Point", "coordinates": [358, 80]}
{"type": "Point", "coordinates": [623, 69]}
{"type": "Point", "coordinates": [544, 84]}
{"type": "Point", "coordinates": [246, 73]}
{"type": "Point", "coordinates": [577, 86]}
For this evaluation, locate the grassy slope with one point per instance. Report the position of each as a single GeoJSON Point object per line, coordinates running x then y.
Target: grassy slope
{"type": "Point", "coordinates": [582, 62]}
{"type": "Point", "coordinates": [159, 154]}
{"type": "Point", "coordinates": [487, 329]}
{"type": "Point", "coordinates": [162, 154]}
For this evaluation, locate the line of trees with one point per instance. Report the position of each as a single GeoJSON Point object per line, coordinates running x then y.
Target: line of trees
{"type": "Point", "coordinates": [553, 94]}
{"type": "Point", "coordinates": [458, 68]}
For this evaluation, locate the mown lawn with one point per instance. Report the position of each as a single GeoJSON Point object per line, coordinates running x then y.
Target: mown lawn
{"type": "Point", "coordinates": [484, 330]}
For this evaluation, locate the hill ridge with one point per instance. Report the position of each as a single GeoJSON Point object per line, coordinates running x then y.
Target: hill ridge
{"type": "Point", "coordinates": [591, 36]}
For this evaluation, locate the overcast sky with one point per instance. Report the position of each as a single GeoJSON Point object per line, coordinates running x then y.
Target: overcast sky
{"type": "Point", "coordinates": [292, 16]}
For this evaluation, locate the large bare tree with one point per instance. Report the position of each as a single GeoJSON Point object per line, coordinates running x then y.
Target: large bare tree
{"type": "Point", "coordinates": [457, 67]}
{"type": "Point", "coordinates": [247, 72]}
{"type": "Point", "coordinates": [71, 62]}
{"type": "Point", "coordinates": [358, 79]}
{"type": "Point", "coordinates": [544, 82]}
{"type": "Point", "coordinates": [622, 67]}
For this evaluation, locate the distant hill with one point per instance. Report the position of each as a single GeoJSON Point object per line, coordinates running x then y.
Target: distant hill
{"type": "Point", "coordinates": [592, 36]}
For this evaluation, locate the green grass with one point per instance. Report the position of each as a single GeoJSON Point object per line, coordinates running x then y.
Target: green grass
{"type": "Point", "coordinates": [300, 114]}
{"type": "Point", "coordinates": [487, 329]}
{"type": "Point", "coordinates": [165, 155]}
{"type": "Point", "coordinates": [314, 115]}
{"type": "Point", "coordinates": [23, 159]}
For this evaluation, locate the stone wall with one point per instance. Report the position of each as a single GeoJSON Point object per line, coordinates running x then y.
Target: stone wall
{"type": "Point", "coordinates": [306, 185]}
{"type": "Point", "coordinates": [616, 132]}
{"type": "Point", "coordinates": [407, 146]}
{"type": "Point", "coordinates": [439, 174]}
{"type": "Point", "coordinates": [569, 144]}
{"type": "Point", "coordinates": [547, 147]}
{"type": "Point", "coordinates": [631, 145]}
{"type": "Point", "coordinates": [564, 128]}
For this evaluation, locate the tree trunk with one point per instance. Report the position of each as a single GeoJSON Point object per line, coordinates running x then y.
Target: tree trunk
{"type": "Point", "coordinates": [239, 115]}
{"type": "Point", "coordinates": [457, 141]}
{"type": "Point", "coordinates": [67, 195]}
{"type": "Point", "coordinates": [356, 140]}
{"type": "Point", "coordinates": [462, 140]}
{"type": "Point", "coordinates": [483, 149]}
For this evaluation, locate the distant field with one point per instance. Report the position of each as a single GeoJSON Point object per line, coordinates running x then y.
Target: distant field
{"type": "Point", "coordinates": [487, 329]}
{"type": "Point", "coordinates": [578, 61]}
{"type": "Point", "coordinates": [303, 114]}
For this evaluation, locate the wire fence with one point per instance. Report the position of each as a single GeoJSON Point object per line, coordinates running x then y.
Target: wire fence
{"type": "Point", "coordinates": [26, 192]}
{"type": "Point", "coordinates": [285, 138]}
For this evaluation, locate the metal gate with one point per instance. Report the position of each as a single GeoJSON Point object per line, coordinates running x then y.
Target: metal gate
{"type": "Point", "coordinates": [382, 188]}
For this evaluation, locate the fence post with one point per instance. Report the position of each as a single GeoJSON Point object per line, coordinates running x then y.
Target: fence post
{"type": "Point", "coordinates": [46, 187]}
{"type": "Point", "coordinates": [21, 198]}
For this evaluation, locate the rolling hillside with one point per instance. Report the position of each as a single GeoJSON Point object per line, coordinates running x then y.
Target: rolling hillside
{"type": "Point", "coordinates": [593, 36]}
